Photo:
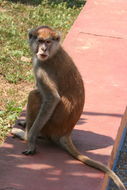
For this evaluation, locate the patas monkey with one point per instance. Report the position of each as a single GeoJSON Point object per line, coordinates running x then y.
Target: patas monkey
{"type": "Point", "coordinates": [56, 104]}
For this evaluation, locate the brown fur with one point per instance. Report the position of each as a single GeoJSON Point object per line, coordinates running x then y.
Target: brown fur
{"type": "Point", "coordinates": [45, 34]}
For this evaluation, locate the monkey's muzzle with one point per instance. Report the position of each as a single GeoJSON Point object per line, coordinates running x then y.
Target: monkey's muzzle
{"type": "Point", "coordinates": [42, 56]}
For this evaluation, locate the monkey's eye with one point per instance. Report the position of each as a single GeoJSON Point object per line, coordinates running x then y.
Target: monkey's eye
{"type": "Point", "coordinates": [40, 41]}
{"type": "Point", "coordinates": [48, 41]}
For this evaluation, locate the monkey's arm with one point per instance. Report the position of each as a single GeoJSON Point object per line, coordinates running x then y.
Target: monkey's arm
{"type": "Point", "coordinates": [50, 98]}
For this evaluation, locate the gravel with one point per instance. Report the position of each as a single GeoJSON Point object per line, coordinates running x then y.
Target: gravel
{"type": "Point", "coordinates": [121, 166]}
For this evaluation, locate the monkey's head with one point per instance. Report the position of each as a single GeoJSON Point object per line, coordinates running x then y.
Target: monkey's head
{"type": "Point", "coordinates": [44, 42]}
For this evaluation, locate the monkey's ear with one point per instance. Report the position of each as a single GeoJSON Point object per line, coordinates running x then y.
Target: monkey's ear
{"type": "Point", "coordinates": [31, 33]}
{"type": "Point", "coordinates": [58, 36]}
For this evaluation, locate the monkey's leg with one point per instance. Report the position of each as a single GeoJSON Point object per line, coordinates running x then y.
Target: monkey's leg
{"type": "Point", "coordinates": [33, 107]}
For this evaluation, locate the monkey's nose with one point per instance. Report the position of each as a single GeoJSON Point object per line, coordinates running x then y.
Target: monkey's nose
{"type": "Point", "coordinates": [44, 48]}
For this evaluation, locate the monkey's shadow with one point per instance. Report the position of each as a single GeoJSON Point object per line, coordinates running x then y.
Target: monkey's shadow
{"type": "Point", "coordinates": [84, 140]}
{"type": "Point", "coordinates": [52, 167]}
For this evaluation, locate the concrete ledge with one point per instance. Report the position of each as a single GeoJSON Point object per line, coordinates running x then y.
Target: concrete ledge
{"type": "Point", "coordinates": [119, 140]}
{"type": "Point", "coordinates": [122, 132]}
{"type": "Point", "coordinates": [97, 42]}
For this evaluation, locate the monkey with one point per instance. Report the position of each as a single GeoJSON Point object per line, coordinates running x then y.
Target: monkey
{"type": "Point", "coordinates": [57, 102]}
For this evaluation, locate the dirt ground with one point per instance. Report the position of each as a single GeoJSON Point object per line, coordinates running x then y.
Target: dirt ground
{"type": "Point", "coordinates": [15, 92]}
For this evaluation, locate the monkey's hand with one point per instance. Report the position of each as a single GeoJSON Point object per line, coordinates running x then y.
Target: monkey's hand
{"type": "Point", "coordinates": [31, 150]}
{"type": "Point", "coordinates": [31, 147]}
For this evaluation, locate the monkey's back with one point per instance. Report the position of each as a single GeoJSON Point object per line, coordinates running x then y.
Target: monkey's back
{"type": "Point", "coordinates": [71, 90]}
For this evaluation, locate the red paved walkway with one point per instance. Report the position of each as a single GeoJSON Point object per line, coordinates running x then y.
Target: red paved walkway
{"type": "Point", "coordinates": [97, 42]}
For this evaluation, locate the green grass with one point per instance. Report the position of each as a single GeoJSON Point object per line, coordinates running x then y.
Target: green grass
{"type": "Point", "coordinates": [7, 118]}
{"type": "Point", "coordinates": [16, 18]}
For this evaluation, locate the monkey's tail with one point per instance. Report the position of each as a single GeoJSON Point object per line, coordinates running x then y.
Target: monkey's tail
{"type": "Point", "coordinates": [68, 145]}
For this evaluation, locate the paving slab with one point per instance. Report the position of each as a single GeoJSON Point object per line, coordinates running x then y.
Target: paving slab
{"type": "Point", "coordinates": [104, 18]}
{"type": "Point", "coordinates": [97, 42]}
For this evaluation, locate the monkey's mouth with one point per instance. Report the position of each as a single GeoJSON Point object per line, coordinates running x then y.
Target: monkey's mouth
{"type": "Point", "coordinates": [43, 56]}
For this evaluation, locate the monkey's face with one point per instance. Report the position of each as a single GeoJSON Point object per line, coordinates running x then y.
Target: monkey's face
{"type": "Point", "coordinates": [46, 48]}
{"type": "Point", "coordinates": [44, 42]}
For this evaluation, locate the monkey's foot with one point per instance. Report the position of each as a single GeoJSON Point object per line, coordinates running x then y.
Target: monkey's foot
{"type": "Point", "coordinates": [22, 123]}
{"type": "Point", "coordinates": [19, 133]}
